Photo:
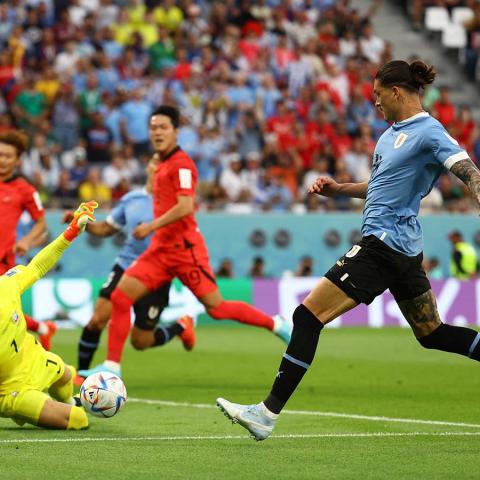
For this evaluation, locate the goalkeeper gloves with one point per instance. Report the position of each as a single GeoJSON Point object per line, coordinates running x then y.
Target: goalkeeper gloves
{"type": "Point", "coordinates": [82, 215]}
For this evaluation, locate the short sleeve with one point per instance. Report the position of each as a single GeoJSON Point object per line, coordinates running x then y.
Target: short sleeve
{"type": "Point", "coordinates": [117, 217]}
{"type": "Point", "coordinates": [184, 176]}
{"type": "Point", "coordinates": [445, 148]}
{"type": "Point", "coordinates": [32, 202]}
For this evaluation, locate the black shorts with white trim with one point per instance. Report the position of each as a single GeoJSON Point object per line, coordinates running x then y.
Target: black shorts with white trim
{"type": "Point", "coordinates": [371, 267]}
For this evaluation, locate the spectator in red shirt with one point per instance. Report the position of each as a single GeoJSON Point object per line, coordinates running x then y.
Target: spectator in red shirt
{"type": "Point", "coordinates": [281, 123]}
{"type": "Point", "coordinates": [444, 110]}
{"type": "Point", "coordinates": [465, 128]}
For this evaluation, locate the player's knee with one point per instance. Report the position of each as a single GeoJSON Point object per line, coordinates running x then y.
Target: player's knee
{"type": "Point", "coordinates": [139, 343]}
{"type": "Point", "coordinates": [304, 318]}
{"type": "Point", "coordinates": [121, 300]}
{"type": "Point", "coordinates": [77, 419]}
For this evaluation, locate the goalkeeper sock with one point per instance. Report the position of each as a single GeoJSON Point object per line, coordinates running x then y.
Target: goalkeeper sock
{"type": "Point", "coordinates": [87, 346]}
{"type": "Point", "coordinates": [78, 419]}
{"type": "Point", "coordinates": [449, 338]}
{"type": "Point", "coordinates": [164, 334]}
{"type": "Point", "coordinates": [119, 326]}
{"type": "Point", "coordinates": [241, 312]}
{"type": "Point", "coordinates": [297, 359]}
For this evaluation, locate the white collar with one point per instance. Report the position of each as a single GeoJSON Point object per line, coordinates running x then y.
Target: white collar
{"type": "Point", "coordinates": [414, 117]}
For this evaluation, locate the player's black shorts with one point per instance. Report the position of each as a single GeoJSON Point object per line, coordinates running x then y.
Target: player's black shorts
{"type": "Point", "coordinates": [371, 267]}
{"type": "Point", "coordinates": [148, 308]}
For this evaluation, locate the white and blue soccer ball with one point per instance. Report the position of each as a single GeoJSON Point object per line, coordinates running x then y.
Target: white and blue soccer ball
{"type": "Point", "coordinates": [103, 394]}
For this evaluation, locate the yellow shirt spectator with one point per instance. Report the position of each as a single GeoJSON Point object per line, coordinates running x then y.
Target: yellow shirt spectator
{"type": "Point", "coordinates": [149, 33]}
{"type": "Point", "coordinates": [93, 187]}
{"type": "Point", "coordinates": [168, 17]}
{"type": "Point", "coordinates": [136, 14]}
{"type": "Point", "coordinates": [49, 87]}
{"type": "Point", "coordinates": [123, 29]}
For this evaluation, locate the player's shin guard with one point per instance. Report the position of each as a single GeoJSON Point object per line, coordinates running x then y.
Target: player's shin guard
{"type": "Point", "coordinates": [241, 312]}
{"type": "Point", "coordinates": [119, 326]}
{"type": "Point", "coordinates": [297, 359]}
{"type": "Point", "coordinates": [87, 346]}
{"type": "Point", "coordinates": [449, 338]}
{"type": "Point", "coordinates": [78, 419]}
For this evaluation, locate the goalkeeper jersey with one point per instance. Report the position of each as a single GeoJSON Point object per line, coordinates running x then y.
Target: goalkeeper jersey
{"type": "Point", "coordinates": [14, 359]}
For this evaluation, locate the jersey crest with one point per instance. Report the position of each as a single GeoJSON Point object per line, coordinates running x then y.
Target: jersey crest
{"type": "Point", "coordinates": [400, 140]}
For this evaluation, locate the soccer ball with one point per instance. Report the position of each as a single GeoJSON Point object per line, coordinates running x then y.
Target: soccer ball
{"type": "Point", "coordinates": [103, 394]}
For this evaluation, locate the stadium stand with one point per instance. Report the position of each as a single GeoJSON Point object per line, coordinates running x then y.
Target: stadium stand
{"type": "Point", "coordinates": [271, 94]}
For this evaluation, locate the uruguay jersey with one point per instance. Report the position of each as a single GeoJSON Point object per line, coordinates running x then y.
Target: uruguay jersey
{"type": "Point", "coordinates": [134, 208]}
{"type": "Point", "coordinates": [408, 159]}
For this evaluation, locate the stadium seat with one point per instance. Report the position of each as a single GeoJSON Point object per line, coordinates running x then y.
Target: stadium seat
{"type": "Point", "coordinates": [454, 36]}
{"type": "Point", "coordinates": [461, 14]}
{"type": "Point", "coordinates": [436, 18]}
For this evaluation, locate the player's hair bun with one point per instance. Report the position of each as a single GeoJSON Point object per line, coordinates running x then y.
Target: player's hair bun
{"type": "Point", "coordinates": [422, 74]}
{"type": "Point", "coordinates": [411, 76]}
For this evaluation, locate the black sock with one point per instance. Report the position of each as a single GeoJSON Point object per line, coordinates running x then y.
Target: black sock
{"type": "Point", "coordinates": [164, 334]}
{"type": "Point", "coordinates": [296, 360]}
{"type": "Point", "coordinates": [461, 340]}
{"type": "Point", "coordinates": [87, 346]}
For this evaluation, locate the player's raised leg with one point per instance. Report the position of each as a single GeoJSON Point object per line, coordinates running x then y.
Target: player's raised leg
{"type": "Point", "coordinates": [324, 303]}
{"type": "Point", "coordinates": [422, 315]}
{"type": "Point", "coordinates": [242, 312]}
{"type": "Point", "coordinates": [147, 331]}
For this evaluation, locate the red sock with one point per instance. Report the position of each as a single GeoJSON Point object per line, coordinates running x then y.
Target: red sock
{"type": "Point", "coordinates": [119, 326]}
{"type": "Point", "coordinates": [241, 312]}
{"type": "Point", "coordinates": [32, 324]}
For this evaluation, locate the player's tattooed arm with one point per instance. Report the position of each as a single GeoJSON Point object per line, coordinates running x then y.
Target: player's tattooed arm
{"type": "Point", "coordinates": [469, 174]}
{"type": "Point", "coordinates": [421, 313]}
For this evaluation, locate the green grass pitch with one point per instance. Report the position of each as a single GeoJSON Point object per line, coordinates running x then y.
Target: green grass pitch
{"type": "Point", "coordinates": [348, 420]}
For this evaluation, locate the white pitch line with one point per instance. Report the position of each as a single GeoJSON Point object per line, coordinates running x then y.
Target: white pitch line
{"type": "Point", "coordinates": [166, 403]}
{"type": "Point", "coordinates": [238, 437]}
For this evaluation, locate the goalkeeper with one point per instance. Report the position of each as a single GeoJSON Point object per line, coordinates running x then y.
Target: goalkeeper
{"type": "Point", "coordinates": [26, 369]}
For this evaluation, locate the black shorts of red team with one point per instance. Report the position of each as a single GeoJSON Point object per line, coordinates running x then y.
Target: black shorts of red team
{"type": "Point", "coordinates": [148, 308]}
{"type": "Point", "coordinates": [371, 267]}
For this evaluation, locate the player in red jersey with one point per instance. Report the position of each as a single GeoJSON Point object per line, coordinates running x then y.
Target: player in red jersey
{"type": "Point", "coordinates": [16, 196]}
{"type": "Point", "coordinates": [177, 248]}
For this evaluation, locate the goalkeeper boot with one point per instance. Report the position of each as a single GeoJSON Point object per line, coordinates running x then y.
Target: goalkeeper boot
{"type": "Point", "coordinates": [257, 419]}
{"type": "Point", "coordinates": [282, 328]}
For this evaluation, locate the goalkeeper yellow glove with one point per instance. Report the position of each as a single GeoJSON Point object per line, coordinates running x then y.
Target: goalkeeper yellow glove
{"type": "Point", "coordinates": [82, 215]}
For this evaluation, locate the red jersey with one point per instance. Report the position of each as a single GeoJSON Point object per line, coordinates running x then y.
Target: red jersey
{"type": "Point", "coordinates": [175, 175]}
{"type": "Point", "coordinates": [16, 196]}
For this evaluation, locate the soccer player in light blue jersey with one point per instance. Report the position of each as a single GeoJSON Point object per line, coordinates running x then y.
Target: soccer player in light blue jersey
{"type": "Point", "coordinates": [408, 159]}
{"type": "Point", "coordinates": [134, 208]}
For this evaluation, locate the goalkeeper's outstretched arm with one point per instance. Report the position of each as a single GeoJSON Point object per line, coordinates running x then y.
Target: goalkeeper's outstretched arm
{"type": "Point", "coordinates": [48, 256]}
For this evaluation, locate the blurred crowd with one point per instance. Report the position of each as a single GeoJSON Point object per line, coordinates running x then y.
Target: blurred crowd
{"type": "Point", "coordinates": [469, 55]}
{"type": "Point", "coordinates": [273, 93]}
